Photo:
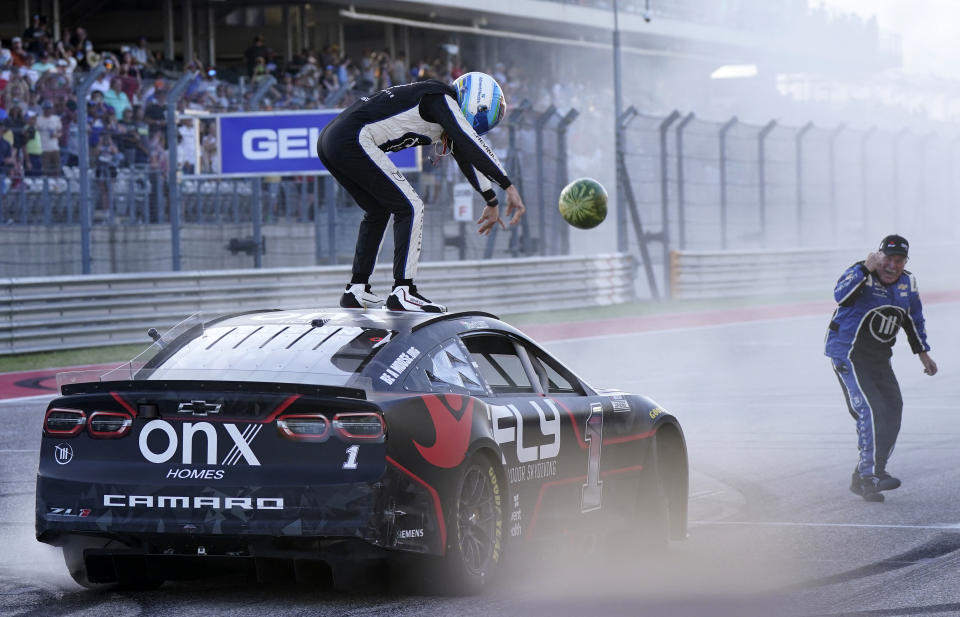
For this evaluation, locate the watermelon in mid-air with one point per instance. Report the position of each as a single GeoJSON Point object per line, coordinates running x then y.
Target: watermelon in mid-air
{"type": "Point", "coordinates": [583, 203]}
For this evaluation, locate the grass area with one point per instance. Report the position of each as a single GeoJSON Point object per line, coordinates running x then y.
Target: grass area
{"type": "Point", "coordinates": [72, 357]}
{"type": "Point", "coordinates": [122, 353]}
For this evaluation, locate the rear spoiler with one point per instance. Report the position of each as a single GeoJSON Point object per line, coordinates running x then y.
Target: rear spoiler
{"type": "Point", "coordinates": [95, 387]}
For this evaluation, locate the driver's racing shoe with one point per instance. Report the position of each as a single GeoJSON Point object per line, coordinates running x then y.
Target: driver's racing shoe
{"type": "Point", "coordinates": [406, 298]}
{"type": "Point", "coordinates": [867, 487]}
{"type": "Point", "coordinates": [887, 482]}
{"type": "Point", "coordinates": [359, 296]}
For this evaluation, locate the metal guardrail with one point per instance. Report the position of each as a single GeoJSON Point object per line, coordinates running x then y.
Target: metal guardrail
{"type": "Point", "coordinates": [52, 313]}
{"type": "Point", "coordinates": [716, 274]}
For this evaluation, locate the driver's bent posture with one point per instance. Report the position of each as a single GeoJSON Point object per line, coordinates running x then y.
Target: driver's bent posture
{"type": "Point", "coordinates": [354, 147]}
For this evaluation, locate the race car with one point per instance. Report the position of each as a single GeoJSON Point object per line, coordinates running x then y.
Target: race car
{"type": "Point", "coordinates": [286, 441]}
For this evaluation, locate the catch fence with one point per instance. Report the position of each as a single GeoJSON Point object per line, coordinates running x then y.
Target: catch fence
{"type": "Point", "coordinates": [700, 185]}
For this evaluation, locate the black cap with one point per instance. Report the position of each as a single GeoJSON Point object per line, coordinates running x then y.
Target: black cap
{"type": "Point", "coordinates": [894, 245]}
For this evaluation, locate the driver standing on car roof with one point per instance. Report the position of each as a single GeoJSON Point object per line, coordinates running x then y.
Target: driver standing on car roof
{"type": "Point", "coordinates": [354, 146]}
{"type": "Point", "coordinates": [876, 298]}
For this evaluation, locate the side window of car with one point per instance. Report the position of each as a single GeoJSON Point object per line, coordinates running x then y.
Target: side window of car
{"type": "Point", "coordinates": [448, 368]}
{"type": "Point", "coordinates": [558, 379]}
{"type": "Point", "coordinates": [499, 363]}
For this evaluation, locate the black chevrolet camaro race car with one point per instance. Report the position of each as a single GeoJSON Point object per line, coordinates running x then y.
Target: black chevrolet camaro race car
{"type": "Point", "coordinates": [286, 441]}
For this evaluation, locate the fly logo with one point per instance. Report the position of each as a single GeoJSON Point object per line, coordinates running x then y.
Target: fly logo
{"type": "Point", "coordinates": [168, 441]}
{"type": "Point", "coordinates": [546, 423]}
{"type": "Point", "coordinates": [884, 323]}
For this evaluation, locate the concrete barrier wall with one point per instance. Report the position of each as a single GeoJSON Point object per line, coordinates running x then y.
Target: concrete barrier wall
{"type": "Point", "coordinates": [49, 313]}
{"type": "Point", "coordinates": [717, 274]}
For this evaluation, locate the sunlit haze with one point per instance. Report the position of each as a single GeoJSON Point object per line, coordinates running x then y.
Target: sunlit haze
{"type": "Point", "coordinates": [927, 29]}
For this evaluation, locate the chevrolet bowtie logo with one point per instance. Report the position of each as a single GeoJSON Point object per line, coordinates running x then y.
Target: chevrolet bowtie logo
{"type": "Point", "coordinates": [199, 408]}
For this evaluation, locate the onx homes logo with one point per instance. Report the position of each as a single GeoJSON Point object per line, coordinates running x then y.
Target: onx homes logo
{"type": "Point", "coordinates": [160, 441]}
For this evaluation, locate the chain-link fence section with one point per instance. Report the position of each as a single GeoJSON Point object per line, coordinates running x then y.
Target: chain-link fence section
{"type": "Point", "coordinates": [299, 220]}
{"type": "Point", "coordinates": [696, 185]}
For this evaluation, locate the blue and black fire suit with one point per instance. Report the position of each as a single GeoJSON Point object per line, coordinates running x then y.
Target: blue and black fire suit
{"type": "Point", "coordinates": [860, 343]}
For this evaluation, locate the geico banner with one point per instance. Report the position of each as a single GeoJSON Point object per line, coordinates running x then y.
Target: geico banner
{"type": "Point", "coordinates": [282, 143]}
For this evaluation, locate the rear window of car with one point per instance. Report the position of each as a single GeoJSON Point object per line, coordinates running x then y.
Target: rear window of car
{"type": "Point", "coordinates": [271, 352]}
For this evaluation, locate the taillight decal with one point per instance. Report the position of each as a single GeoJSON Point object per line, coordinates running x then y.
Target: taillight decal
{"type": "Point", "coordinates": [80, 420]}
{"type": "Point", "coordinates": [284, 427]}
{"type": "Point", "coordinates": [125, 423]}
{"type": "Point", "coordinates": [342, 419]}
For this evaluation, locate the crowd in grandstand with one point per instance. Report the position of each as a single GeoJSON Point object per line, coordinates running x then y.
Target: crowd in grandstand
{"type": "Point", "coordinates": [127, 105]}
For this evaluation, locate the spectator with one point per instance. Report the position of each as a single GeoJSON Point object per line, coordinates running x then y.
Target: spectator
{"type": "Point", "coordinates": [106, 155]}
{"type": "Point", "coordinates": [35, 30]}
{"type": "Point", "coordinates": [43, 64]}
{"type": "Point", "coordinates": [155, 111]}
{"type": "Point", "coordinates": [6, 156]}
{"type": "Point", "coordinates": [130, 80]}
{"type": "Point", "coordinates": [115, 97]}
{"type": "Point", "coordinates": [253, 54]}
{"type": "Point", "coordinates": [101, 84]}
{"type": "Point", "coordinates": [32, 147]}
{"type": "Point", "coordinates": [126, 137]}
{"type": "Point", "coordinates": [187, 148]}
{"type": "Point", "coordinates": [6, 58]}
{"type": "Point", "coordinates": [142, 56]}
{"type": "Point", "coordinates": [209, 163]}
{"type": "Point", "coordinates": [18, 87]}
{"type": "Point", "coordinates": [17, 52]}
{"type": "Point", "coordinates": [159, 159]}
{"type": "Point", "coordinates": [55, 85]}
{"type": "Point", "coordinates": [329, 83]}
{"type": "Point", "coordinates": [49, 127]}
{"type": "Point", "coordinates": [69, 139]}
{"type": "Point", "coordinates": [79, 39]}
{"type": "Point", "coordinates": [88, 58]}
{"type": "Point", "coordinates": [16, 126]}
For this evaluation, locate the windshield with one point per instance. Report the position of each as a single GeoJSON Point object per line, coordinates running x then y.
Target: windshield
{"type": "Point", "coordinates": [258, 347]}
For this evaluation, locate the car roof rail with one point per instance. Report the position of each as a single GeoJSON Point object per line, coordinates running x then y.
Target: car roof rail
{"type": "Point", "coordinates": [445, 316]}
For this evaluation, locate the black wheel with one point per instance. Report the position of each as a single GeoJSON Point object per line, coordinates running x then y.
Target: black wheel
{"type": "Point", "coordinates": [652, 522]}
{"type": "Point", "coordinates": [475, 530]}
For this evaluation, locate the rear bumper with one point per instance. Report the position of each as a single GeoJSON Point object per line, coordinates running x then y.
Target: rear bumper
{"type": "Point", "coordinates": [381, 513]}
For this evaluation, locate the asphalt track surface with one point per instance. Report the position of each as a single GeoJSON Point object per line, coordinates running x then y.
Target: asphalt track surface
{"type": "Point", "coordinates": [774, 530]}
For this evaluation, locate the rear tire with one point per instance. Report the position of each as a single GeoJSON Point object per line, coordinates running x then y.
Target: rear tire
{"type": "Point", "coordinates": [474, 530]}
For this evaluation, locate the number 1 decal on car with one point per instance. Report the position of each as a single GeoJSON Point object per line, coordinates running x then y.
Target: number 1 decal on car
{"type": "Point", "coordinates": [351, 462]}
{"type": "Point", "coordinates": [592, 493]}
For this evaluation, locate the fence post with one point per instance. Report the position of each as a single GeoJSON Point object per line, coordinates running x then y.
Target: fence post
{"type": "Point", "coordinates": [681, 192]}
{"type": "Point", "coordinates": [762, 176]}
{"type": "Point", "coordinates": [799, 155]}
{"type": "Point", "coordinates": [833, 178]}
{"type": "Point", "coordinates": [317, 245]}
{"type": "Point", "coordinates": [723, 180]}
{"type": "Point", "coordinates": [665, 198]}
{"type": "Point", "coordinates": [173, 189]}
{"type": "Point", "coordinates": [330, 201]}
{"type": "Point", "coordinates": [83, 157]}
{"type": "Point", "coordinates": [256, 214]}
{"type": "Point", "coordinates": [538, 127]}
{"type": "Point", "coordinates": [261, 91]}
{"type": "Point", "coordinates": [563, 231]}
